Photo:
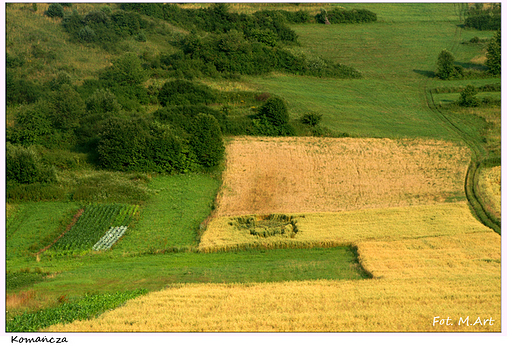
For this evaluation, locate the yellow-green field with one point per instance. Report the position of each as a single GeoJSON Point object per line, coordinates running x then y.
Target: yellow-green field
{"type": "Point", "coordinates": [337, 229]}
{"type": "Point", "coordinates": [489, 188]}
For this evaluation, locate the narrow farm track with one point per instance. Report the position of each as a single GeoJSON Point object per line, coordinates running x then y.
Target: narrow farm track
{"type": "Point", "coordinates": [479, 155]}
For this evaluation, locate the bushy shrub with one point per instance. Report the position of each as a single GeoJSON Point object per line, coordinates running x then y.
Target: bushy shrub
{"type": "Point", "coordinates": [126, 70]}
{"type": "Point", "coordinates": [182, 92]}
{"type": "Point", "coordinates": [33, 124]}
{"type": "Point", "coordinates": [311, 118]}
{"type": "Point", "coordinates": [103, 101]}
{"type": "Point", "coordinates": [67, 108]}
{"type": "Point", "coordinates": [21, 91]}
{"type": "Point", "coordinates": [467, 97]}
{"type": "Point", "coordinates": [23, 166]}
{"type": "Point", "coordinates": [274, 111]}
{"type": "Point", "coordinates": [206, 140]}
{"type": "Point", "coordinates": [55, 10]}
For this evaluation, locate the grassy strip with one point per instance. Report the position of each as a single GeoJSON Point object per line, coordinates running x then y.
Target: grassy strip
{"type": "Point", "coordinates": [82, 309]}
{"type": "Point", "coordinates": [90, 274]}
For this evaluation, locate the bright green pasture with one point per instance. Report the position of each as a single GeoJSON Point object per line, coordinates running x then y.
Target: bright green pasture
{"type": "Point", "coordinates": [397, 56]}
{"type": "Point", "coordinates": [172, 215]}
{"type": "Point", "coordinates": [106, 273]}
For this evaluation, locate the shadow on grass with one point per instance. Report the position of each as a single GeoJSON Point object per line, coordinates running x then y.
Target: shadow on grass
{"type": "Point", "coordinates": [429, 74]}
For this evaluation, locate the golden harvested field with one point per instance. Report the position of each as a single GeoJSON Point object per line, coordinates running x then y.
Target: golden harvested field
{"type": "Point", "coordinates": [489, 187]}
{"type": "Point", "coordinates": [418, 282]}
{"type": "Point", "coordinates": [304, 175]}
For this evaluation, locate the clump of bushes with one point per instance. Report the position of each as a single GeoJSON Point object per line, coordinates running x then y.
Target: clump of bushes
{"type": "Point", "coordinates": [23, 166]}
{"type": "Point", "coordinates": [467, 97]}
{"type": "Point", "coordinates": [481, 18]}
{"type": "Point", "coordinates": [140, 144]}
{"type": "Point", "coordinates": [182, 92]}
{"type": "Point", "coordinates": [55, 10]}
{"type": "Point", "coordinates": [339, 15]}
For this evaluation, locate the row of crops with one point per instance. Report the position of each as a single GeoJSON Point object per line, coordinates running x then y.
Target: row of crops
{"type": "Point", "coordinates": [100, 226]}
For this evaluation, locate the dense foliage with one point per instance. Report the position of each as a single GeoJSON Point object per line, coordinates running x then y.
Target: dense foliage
{"type": "Point", "coordinates": [481, 18]}
{"type": "Point", "coordinates": [494, 55]}
{"type": "Point", "coordinates": [339, 15]}
{"type": "Point", "coordinates": [24, 166]}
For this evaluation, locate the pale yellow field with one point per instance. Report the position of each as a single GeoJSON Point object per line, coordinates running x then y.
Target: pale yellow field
{"type": "Point", "coordinates": [335, 229]}
{"type": "Point", "coordinates": [304, 175]}
{"type": "Point", "coordinates": [418, 280]}
{"type": "Point", "coordinates": [489, 187]}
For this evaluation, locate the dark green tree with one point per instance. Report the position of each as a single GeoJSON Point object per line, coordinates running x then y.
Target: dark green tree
{"type": "Point", "coordinates": [23, 166]}
{"type": "Point", "coordinates": [68, 108]}
{"type": "Point", "coordinates": [445, 64]}
{"type": "Point", "coordinates": [467, 96]}
{"type": "Point", "coordinates": [55, 10]}
{"type": "Point", "coordinates": [126, 70]}
{"type": "Point", "coordinates": [274, 110]}
{"type": "Point", "coordinates": [494, 55]}
{"type": "Point", "coordinates": [206, 141]}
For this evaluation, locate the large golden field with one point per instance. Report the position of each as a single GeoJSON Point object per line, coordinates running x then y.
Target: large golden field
{"type": "Point", "coordinates": [434, 266]}
{"type": "Point", "coordinates": [418, 282]}
{"type": "Point", "coordinates": [304, 175]}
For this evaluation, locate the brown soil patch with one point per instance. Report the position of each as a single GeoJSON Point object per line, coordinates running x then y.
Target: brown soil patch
{"type": "Point", "coordinates": [293, 175]}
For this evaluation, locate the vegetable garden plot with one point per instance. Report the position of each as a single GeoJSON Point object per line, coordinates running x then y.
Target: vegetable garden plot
{"type": "Point", "coordinates": [91, 228]}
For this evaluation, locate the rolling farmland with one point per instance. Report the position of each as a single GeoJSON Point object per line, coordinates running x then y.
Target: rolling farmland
{"type": "Point", "coordinates": [372, 224]}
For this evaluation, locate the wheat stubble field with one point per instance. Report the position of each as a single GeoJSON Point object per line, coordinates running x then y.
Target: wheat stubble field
{"type": "Point", "coordinates": [309, 174]}
{"type": "Point", "coordinates": [428, 256]}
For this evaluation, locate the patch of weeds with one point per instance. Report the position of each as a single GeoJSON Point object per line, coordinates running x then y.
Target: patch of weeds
{"type": "Point", "coordinates": [265, 226]}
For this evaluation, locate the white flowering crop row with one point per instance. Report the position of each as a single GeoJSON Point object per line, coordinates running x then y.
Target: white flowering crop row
{"type": "Point", "coordinates": [110, 237]}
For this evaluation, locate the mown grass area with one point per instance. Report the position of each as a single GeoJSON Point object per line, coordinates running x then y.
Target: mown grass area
{"type": "Point", "coordinates": [172, 216]}
{"type": "Point", "coordinates": [397, 57]}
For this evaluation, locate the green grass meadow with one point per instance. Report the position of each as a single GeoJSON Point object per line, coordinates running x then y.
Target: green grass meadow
{"type": "Point", "coordinates": [397, 56]}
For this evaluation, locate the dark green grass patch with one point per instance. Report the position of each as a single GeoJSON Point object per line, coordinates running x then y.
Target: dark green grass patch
{"type": "Point", "coordinates": [110, 272]}
{"type": "Point", "coordinates": [84, 308]}
{"type": "Point", "coordinates": [23, 278]}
